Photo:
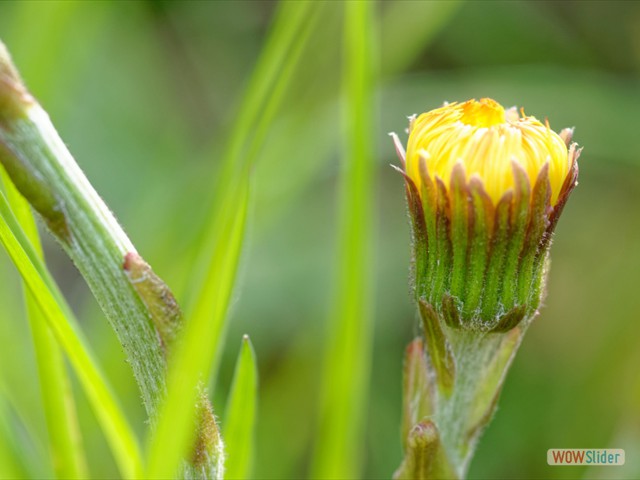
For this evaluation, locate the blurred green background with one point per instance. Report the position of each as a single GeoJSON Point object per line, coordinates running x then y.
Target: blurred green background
{"type": "Point", "coordinates": [144, 94]}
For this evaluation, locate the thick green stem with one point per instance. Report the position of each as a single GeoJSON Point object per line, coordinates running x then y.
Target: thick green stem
{"type": "Point", "coordinates": [482, 361]}
{"type": "Point", "coordinates": [42, 168]}
{"type": "Point", "coordinates": [445, 426]}
{"type": "Point", "coordinates": [45, 173]}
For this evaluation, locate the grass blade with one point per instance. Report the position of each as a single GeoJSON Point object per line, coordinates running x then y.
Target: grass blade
{"type": "Point", "coordinates": [198, 352]}
{"type": "Point", "coordinates": [348, 349]}
{"type": "Point", "coordinates": [23, 433]}
{"type": "Point", "coordinates": [240, 417]}
{"type": "Point", "coordinates": [265, 91]}
{"type": "Point", "coordinates": [65, 444]}
{"type": "Point", "coordinates": [423, 19]}
{"type": "Point", "coordinates": [12, 461]}
{"type": "Point", "coordinates": [192, 361]}
{"type": "Point", "coordinates": [117, 431]}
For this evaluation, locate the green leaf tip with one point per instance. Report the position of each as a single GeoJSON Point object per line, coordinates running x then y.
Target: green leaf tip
{"type": "Point", "coordinates": [240, 418]}
{"type": "Point", "coordinates": [425, 458]}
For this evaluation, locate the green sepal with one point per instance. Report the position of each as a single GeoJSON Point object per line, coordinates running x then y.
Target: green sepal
{"type": "Point", "coordinates": [482, 266]}
{"type": "Point", "coordinates": [542, 259]}
{"type": "Point", "coordinates": [443, 249]}
{"type": "Point", "coordinates": [482, 227]}
{"type": "Point", "coordinates": [499, 244]}
{"type": "Point", "coordinates": [510, 319]}
{"type": "Point", "coordinates": [459, 229]}
{"type": "Point", "coordinates": [567, 187]}
{"type": "Point", "coordinates": [428, 195]}
{"type": "Point", "coordinates": [451, 308]}
{"type": "Point", "coordinates": [517, 230]}
{"type": "Point", "coordinates": [537, 224]}
{"type": "Point", "coordinates": [419, 237]}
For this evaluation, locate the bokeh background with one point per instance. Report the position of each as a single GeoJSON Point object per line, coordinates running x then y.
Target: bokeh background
{"type": "Point", "coordinates": [144, 94]}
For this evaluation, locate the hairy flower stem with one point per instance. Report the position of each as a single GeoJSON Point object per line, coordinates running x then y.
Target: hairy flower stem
{"type": "Point", "coordinates": [45, 173]}
{"type": "Point", "coordinates": [482, 364]}
{"type": "Point", "coordinates": [443, 423]}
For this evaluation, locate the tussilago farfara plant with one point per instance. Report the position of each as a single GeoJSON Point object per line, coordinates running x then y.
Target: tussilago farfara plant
{"type": "Point", "coordinates": [485, 187]}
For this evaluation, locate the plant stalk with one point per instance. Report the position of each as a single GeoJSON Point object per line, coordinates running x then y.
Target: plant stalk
{"type": "Point", "coordinates": [42, 169]}
{"type": "Point", "coordinates": [443, 423]}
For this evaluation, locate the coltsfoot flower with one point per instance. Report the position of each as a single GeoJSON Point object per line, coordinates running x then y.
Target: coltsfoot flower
{"type": "Point", "coordinates": [485, 187]}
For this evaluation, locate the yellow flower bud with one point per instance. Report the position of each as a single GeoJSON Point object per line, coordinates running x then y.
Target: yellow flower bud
{"type": "Point", "coordinates": [485, 139]}
{"type": "Point", "coordinates": [485, 188]}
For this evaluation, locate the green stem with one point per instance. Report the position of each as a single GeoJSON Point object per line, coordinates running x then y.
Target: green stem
{"type": "Point", "coordinates": [45, 173]}
{"type": "Point", "coordinates": [43, 170]}
{"type": "Point", "coordinates": [448, 424]}
{"type": "Point", "coordinates": [481, 364]}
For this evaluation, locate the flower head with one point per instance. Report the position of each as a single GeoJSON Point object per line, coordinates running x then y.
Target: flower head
{"type": "Point", "coordinates": [485, 188]}
{"type": "Point", "coordinates": [485, 139]}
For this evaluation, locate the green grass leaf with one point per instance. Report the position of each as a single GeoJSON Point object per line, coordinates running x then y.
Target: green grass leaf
{"type": "Point", "coordinates": [240, 416]}
{"type": "Point", "coordinates": [193, 352]}
{"type": "Point", "coordinates": [345, 376]}
{"type": "Point", "coordinates": [265, 91]}
{"type": "Point", "coordinates": [12, 457]}
{"type": "Point", "coordinates": [198, 351]}
{"type": "Point", "coordinates": [65, 445]}
{"type": "Point", "coordinates": [407, 27]}
{"type": "Point", "coordinates": [119, 435]}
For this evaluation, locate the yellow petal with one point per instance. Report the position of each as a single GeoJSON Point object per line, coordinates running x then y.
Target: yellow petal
{"type": "Point", "coordinates": [485, 139]}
